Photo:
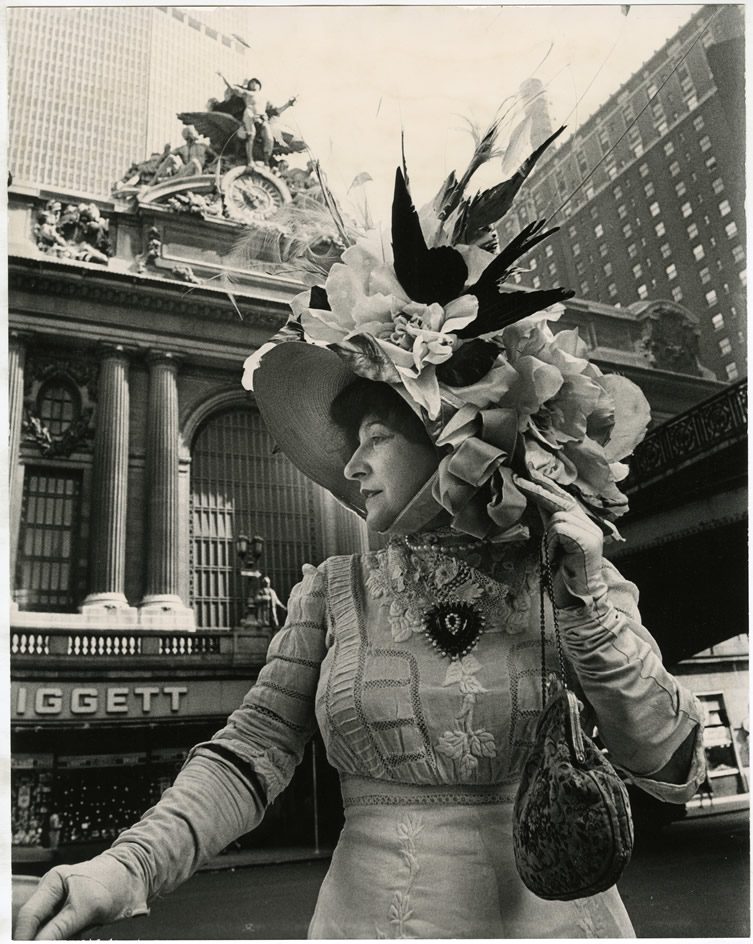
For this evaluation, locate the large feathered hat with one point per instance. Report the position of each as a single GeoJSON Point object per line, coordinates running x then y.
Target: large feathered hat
{"type": "Point", "coordinates": [514, 407]}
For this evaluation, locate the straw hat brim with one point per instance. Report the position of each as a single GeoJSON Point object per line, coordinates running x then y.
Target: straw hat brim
{"type": "Point", "coordinates": [294, 385]}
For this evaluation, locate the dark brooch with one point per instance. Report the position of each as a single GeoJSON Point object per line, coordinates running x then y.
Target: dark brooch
{"type": "Point", "coordinates": [453, 628]}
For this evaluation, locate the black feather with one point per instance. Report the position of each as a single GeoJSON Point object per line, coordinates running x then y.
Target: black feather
{"type": "Point", "coordinates": [487, 287]}
{"type": "Point", "coordinates": [472, 361]}
{"type": "Point", "coordinates": [426, 275]}
{"type": "Point", "coordinates": [318, 298]}
{"type": "Point", "coordinates": [497, 312]}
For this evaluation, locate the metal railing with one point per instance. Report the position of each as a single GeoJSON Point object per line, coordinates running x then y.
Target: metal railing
{"type": "Point", "coordinates": [721, 419]}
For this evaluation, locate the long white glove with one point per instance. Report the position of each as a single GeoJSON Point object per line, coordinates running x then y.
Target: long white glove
{"type": "Point", "coordinates": [644, 716]}
{"type": "Point", "coordinates": [211, 803]}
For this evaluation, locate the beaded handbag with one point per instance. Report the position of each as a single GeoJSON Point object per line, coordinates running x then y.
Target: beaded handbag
{"type": "Point", "coordinates": [573, 829]}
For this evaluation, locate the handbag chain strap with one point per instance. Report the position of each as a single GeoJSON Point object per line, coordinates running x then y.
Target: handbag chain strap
{"type": "Point", "coordinates": [546, 587]}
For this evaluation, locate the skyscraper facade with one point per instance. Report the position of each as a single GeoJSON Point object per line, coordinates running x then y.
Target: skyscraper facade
{"type": "Point", "coordinates": [649, 191]}
{"type": "Point", "coordinates": [91, 89]}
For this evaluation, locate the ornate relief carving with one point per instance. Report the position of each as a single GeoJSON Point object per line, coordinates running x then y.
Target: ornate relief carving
{"type": "Point", "coordinates": [671, 340]}
{"type": "Point", "coordinates": [76, 231]}
{"type": "Point", "coordinates": [78, 373]}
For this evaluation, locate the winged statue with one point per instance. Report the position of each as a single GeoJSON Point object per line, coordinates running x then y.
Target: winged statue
{"type": "Point", "coordinates": [223, 124]}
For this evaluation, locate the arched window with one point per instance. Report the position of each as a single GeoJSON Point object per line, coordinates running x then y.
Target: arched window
{"type": "Point", "coordinates": [240, 485]}
{"type": "Point", "coordinates": [58, 406]}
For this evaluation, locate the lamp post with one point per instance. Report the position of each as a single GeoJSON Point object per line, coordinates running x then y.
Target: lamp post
{"type": "Point", "coordinates": [249, 552]}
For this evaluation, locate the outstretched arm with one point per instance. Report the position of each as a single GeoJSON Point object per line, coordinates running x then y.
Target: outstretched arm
{"type": "Point", "coordinates": [220, 794]}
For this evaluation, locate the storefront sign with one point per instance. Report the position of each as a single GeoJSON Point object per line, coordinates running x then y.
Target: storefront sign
{"type": "Point", "coordinates": [155, 698]}
{"type": "Point", "coordinates": [65, 700]}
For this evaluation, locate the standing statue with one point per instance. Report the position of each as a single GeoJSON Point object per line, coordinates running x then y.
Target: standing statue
{"type": "Point", "coordinates": [256, 115]}
{"type": "Point", "coordinates": [267, 604]}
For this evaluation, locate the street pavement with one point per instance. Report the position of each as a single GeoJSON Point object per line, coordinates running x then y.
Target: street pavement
{"type": "Point", "coordinates": [692, 881]}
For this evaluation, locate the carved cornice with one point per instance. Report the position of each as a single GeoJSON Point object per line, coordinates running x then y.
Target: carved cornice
{"type": "Point", "coordinates": [142, 292]}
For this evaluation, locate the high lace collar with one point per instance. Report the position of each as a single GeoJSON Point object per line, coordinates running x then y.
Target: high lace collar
{"type": "Point", "coordinates": [489, 557]}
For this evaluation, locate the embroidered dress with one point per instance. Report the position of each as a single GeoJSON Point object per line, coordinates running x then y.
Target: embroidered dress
{"type": "Point", "coordinates": [429, 749]}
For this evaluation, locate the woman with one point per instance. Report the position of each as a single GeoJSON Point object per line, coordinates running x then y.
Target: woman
{"type": "Point", "coordinates": [420, 661]}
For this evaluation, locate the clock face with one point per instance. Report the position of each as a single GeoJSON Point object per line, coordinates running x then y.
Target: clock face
{"type": "Point", "coordinates": [252, 196]}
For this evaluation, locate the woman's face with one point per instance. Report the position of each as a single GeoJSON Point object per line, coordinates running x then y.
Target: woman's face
{"type": "Point", "coordinates": [390, 469]}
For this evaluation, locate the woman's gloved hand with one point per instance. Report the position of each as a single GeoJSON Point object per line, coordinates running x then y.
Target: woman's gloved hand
{"type": "Point", "coordinates": [575, 545]}
{"type": "Point", "coordinates": [71, 898]}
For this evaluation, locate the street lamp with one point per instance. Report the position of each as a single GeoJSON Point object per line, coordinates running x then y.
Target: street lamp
{"type": "Point", "coordinates": [249, 552]}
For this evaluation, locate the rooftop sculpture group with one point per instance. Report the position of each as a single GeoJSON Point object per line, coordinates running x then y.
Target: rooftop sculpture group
{"type": "Point", "coordinates": [234, 165]}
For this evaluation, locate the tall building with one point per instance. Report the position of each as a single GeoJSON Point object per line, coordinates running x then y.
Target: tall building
{"type": "Point", "coordinates": [654, 184]}
{"type": "Point", "coordinates": [91, 89]}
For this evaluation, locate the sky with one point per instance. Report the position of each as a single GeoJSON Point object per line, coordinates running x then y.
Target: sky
{"type": "Point", "coordinates": [363, 73]}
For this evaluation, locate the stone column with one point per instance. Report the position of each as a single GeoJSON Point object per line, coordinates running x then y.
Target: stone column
{"type": "Point", "coordinates": [17, 342]}
{"type": "Point", "coordinates": [162, 476]}
{"type": "Point", "coordinates": [16, 363]}
{"type": "Point", "coordinates": [109, 509]}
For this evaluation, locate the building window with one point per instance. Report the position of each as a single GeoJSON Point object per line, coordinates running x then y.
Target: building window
{"type": "Point", "coordinates": [743, 276]}
{"type": "Point", "coordinates": [711, 298]}
{"type": "Point", "coordinates": [717, 321]}
{"type": "Point", "coordinates": [627, 230]}
{"type": "Point", "coordinates": [536, 281]}
{"type": "Point", "coordinates": [238, 482]}
{"type": "Point", "coordinates": [671, 271]}
{"type": "Point", "coordinates": [674, 168]}
{"type": "Point", "coordinates": [584, 288]}
{"type": "Point", "coordinates": [637, 270]}
{"type": "Point", "coordinates": [717, 185]}
{"type": "Point", "coordinates": [573, 232]}
{"type": "Point", "coordinates": [622, 211]}
{"type": "Point", "coordinates": [669, 148]}
{"type": "Point", "coordinates": [660, 229]}
{"type": "Point", "coordinates": [704, 143]}
{"type": "Point", "coordinates": [598, 231]}
{"type": "Point", "coordinates": [649, 189]}
{"type": "Point", "coordinates": [718, 737]}
{"type": "Point", "coordinates": [552, 268]}
{"type": "Point", "coordinates": [643, 170]}
{"type": "Point", "coordinates": [698, 252]}
{"type": "Point", "coordinates": [732, 371]}
{"type": "Point", "coordinates": [665, 250]}
{"type": "Point", "coordinates": [48, 539]}
{"type": "Point", "coordinates": [698, 122]}
{"type": "Point", "coordinates": [725, 346]}
{"type": "Point", "coordinates": [654, 209]}
{"type": "Point", "coordinates": [686, 209]}
{"type": "Point", "coordinates": [642, 291]}
{"type": "Point", "coordinates": [612, 289]}
{"type": "Point", "coordinates": [590, 192]}
{"type": "Point", "coordinates": [58, 405]}
{"type": "Point", "coordinates": [738, 253]}
{"type": "Point", "coordinates": [548, 252]}
{"type": "Point", "coordinates": [603, 250]}
{"type": "Point", "coordinates": [692, 231]}
{"type": "Point", "coordinates": [580, 267]}
{"type": "Point", "coordinates": [532, 264]}
{"type": "Point", "coordinates": [704, 275]}
{"type": "Point", "coordinates": [576, 249]}
{"type": "Point", "coordinates": [724, 208]}
{"type": "Point", "coordinates": [617, 193]}
{"type": "Point", "coordinates": [676, 293]}
{"type": "Point", "coordinates": [681, 189]}
{"type": "Point", "coordinates": [632, 250]}
{"type": "Point", "coordinates": [607, 268]}
{"type": "Point", "coordinates": [731, 229]}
